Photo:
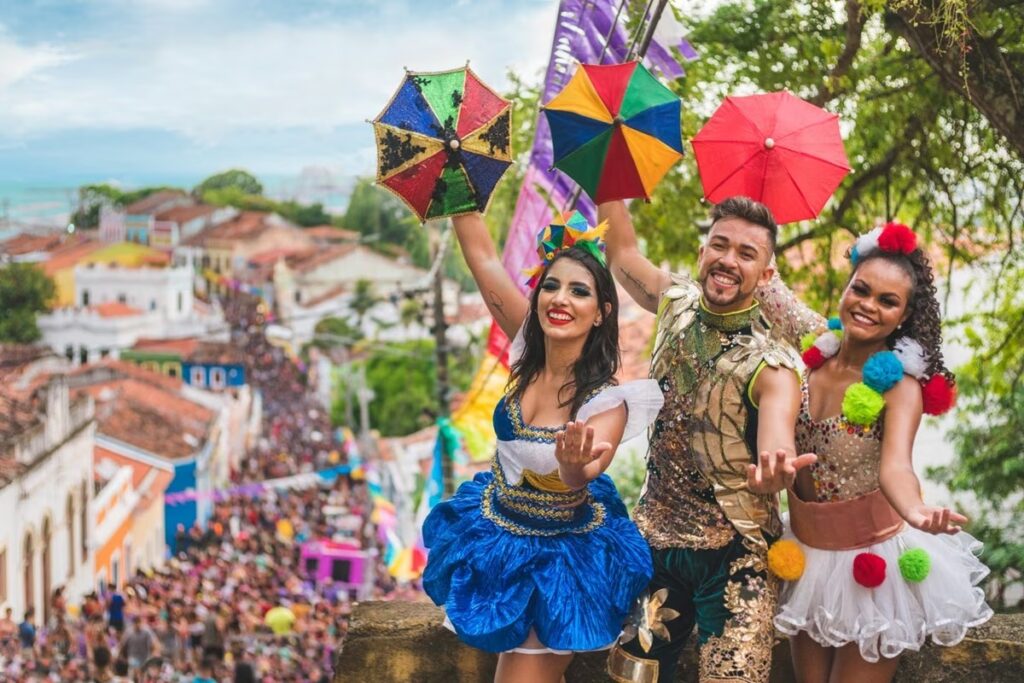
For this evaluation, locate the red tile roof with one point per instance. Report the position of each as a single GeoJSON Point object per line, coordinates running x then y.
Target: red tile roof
{"type": "Point", "coordinates": [115, 309]}
{"type": "Point", "coordinates": [68, 255]}
{"type": "Point", "coordinates": [184, 214]}
{"type": "Point", "coordinates": [271, 256]}
{"type": "Point", "coordinates": [27, 243]}
{"type": "Point", "coordinates": [310, 260]}
{"type": "Point", "coordinates": [153, 202]}
{"type": "Point", "coordinates": [150, 417]}
{"type": "Point", "coordinates": [181, 347]}
{"type": "Point", "coordinates": [330, 233]}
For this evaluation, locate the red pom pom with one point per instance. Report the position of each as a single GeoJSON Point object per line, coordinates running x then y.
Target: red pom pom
{"type": "Point", "coordinates": [813, 357]}
{"type": "Point", "coordinates": [897, 237]}
{"type": "Point", "coordinates": [939, 394]}
{"type": "Point", "coordinates": [869, 570]}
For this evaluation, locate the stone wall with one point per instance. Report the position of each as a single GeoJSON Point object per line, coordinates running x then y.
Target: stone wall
{"type": "Point", "coordinates": [395, 642]}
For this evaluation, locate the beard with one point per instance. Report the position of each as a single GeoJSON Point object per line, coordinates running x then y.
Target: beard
{"type": "Point", "coordinates": [721, 296]}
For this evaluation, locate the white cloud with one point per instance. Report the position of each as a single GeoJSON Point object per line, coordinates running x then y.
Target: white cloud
{"type": "Point", "coordinates": [19, 62]}
{"type": "Point", "coordinates": [205, 80]}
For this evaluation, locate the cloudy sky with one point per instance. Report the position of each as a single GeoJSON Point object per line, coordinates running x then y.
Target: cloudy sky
{"type": "Point", "coordinates": [145, 90]}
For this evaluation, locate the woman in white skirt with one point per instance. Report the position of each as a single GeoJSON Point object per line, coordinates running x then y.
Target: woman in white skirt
{"type": "Point", "coordinates": [871, 570]}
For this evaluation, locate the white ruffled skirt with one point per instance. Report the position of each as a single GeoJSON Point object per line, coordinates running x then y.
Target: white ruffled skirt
{"type": "Point", "coordinates": [833, 609]}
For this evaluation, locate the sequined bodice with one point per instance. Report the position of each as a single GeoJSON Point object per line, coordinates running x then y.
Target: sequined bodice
{"type": "Point", "coordinates": [849, 455]}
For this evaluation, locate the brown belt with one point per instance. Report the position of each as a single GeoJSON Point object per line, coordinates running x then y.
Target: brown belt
{"type": "Point", "coordinates": [844, 524]}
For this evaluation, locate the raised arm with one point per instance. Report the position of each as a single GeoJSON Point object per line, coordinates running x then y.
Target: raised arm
{"type": "Point", "coordinates": [644, 281]}
{"type": "Point", "coordinates": [507, 305]}
{"type": "Point", "coordinates": [787, 313]}
{"type": "Point", "coordinates": [899, 482]}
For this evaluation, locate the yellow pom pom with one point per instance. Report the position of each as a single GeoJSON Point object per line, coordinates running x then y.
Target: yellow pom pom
{"type": "Point", "coordinates": [786, 560]}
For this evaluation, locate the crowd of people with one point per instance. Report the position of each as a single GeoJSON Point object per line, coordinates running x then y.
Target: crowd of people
{"type": "Point", "coordinates": [203, 615]}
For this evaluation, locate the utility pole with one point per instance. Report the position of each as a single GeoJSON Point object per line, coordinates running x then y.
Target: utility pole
{"type": "Point", "coordinates": [441, 349]}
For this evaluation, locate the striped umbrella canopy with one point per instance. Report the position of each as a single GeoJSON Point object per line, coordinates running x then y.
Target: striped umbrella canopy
{"type": "Point", "coordinates": [443, 143]}
{"type": "Point", "coordinates": [615, 130]}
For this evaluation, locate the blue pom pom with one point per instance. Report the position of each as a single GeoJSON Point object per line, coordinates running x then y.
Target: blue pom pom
{"type": "Point", "coordinates": [882, 371]}
{"type": "Point", "coordinates": [834, 323]}
{"type": "Point", "coordinates": [854, 256]}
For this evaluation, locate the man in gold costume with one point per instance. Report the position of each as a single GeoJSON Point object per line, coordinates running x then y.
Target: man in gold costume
{"type": "Point", "coordinates": [721, 448]}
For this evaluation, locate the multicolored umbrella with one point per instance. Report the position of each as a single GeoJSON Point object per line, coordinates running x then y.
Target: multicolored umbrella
{"type": "Point", "coordinates": [615, 130]}
{"type": "Point", "coordinates": [774, 148]}
{"type": "Point", "coordinates": [408, 564]}
{"type": "Point", "coordinates": [443, 143]}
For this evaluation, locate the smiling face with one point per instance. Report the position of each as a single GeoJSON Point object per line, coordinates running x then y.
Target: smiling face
{"type": "Point", "coordinates": [734, 263]}
{"type": "Point", "coordinates": [567, 302]}
{"type": "Point", "coordinates": [875, 301]}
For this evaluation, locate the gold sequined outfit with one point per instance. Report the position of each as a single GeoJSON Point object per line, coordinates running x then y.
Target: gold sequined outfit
{"type": "Point", "coordinates": [709, 534]}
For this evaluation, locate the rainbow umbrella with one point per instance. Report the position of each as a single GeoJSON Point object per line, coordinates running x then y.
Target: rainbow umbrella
{"type": "Point", "coordinates": [615, 130]}
{"type": "Point", "coordinates": [443, 143]}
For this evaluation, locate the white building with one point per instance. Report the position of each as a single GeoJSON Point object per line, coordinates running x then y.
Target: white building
{"type": "Point", "coordinates": [46, 444]}
{"type": "Point", "coordinates": [117, 306]}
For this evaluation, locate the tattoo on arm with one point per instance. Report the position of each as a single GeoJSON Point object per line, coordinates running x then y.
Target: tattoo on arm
{"type": "Point", "coordinates": [497, 304]}
{"type": "Point", "coordinates": [639, 285]}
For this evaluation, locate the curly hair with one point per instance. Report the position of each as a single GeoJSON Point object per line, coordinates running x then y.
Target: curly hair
{"type": "Point", "coordinates": [598, 362]}
{"type": "Point", "coordinates": [924, 321]}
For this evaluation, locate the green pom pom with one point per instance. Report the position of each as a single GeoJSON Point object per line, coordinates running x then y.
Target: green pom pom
{"type": "Point", "coordinates": [807, 341]}
{"type": "Point", "coordinates": [862, 404]}
{"type": "Point", "coordinates": [915, 565]}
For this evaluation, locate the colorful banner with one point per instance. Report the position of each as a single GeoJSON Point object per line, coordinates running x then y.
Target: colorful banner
{"type": "Point", "coordinates": [254, 489]}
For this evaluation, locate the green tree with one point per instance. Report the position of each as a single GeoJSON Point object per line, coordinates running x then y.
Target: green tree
{"type": "Point", "coordinates": [363, 299]}
{"type": "Point", "coordinates": [25, 290]}
{"type": "Point", "coordinates": [93, 197]}
{"type": "Point", "coordinates": [235, 178]}
{"type": "Point", "coordinates": [989, 434]}
{"type": "Point", "coordinates": [409, 312]}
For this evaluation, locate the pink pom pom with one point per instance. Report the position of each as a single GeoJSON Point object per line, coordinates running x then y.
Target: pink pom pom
{"type": "Point", "coordinates": [939, 395]}
{"type": "Point", "coordinates": [813, 357]}
{"type": "Point", "coordinates": [897, 237]}
{"type": "Point", "coordinates": [869, 570]}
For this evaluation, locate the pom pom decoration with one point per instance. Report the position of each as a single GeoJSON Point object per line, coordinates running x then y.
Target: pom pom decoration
{"type": "Point", "coordinates": [828, 343]}
{"type": "Point", "coordinates": [786, 560]}
{"type": "Point", "coordinates": [869, 570]}
{"type": "Point", "coordinates": [896, 237]}
{"type": "Point", "coordinates": [882, 371]}
{"type": "Point", "coordinates": [864, 245]}
{"type": "Point", "coordinates": [807, 341]}
{"type": "Point", "coordinates": [914, 564]}
{"type": "Point", "coordinates": [939, 394]}
{"type": "Point", "coordinates": [813, 358]}
{"type": "Point", "coordinates": [835, 324]}
{"type": "Point", "coordinates": [912, 355]}
{"type": "Point", "coordinates": [862, 405]}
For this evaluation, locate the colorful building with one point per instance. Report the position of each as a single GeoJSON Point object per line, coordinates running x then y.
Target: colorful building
{"type": "Point", "coordinates": [202, 364]}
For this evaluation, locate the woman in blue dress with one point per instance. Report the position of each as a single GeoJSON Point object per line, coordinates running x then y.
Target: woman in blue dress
{"type": "Point", "coordinates": [538, 558]}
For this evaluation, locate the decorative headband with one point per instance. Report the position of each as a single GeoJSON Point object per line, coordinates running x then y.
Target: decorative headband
{"type": "Point", "coordinates": [573, 231]}
{"type": "Point", "coordinates": [892, 237]}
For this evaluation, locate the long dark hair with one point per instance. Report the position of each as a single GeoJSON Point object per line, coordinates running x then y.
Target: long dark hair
{"type": "Point", "coordinates": [599, 360]}
{"type": "Point", "coordinates": [924, 322]}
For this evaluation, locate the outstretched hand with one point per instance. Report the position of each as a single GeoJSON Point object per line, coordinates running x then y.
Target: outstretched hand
{"type": "Point", "coordinates": [934, 519]}
{"type": "Point", "coordinates": [773, 473]}
{"type": "Point", "coordinates": [575, 448]}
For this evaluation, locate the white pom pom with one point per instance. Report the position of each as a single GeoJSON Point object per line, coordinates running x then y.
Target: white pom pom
{"type": "Point", "coordinates": [868, 242]}
{"type": "Point", "coordinates": [913, 357]}
{"type": "Point", "coordinates": [828, 344]}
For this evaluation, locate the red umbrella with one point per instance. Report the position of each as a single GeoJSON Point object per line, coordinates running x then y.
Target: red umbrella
{"type": "Point", "coordinates": [774, 148]}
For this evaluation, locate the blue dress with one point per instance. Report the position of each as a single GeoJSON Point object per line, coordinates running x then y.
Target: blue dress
{"type": "Point", "coordinates": [515, 551]}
